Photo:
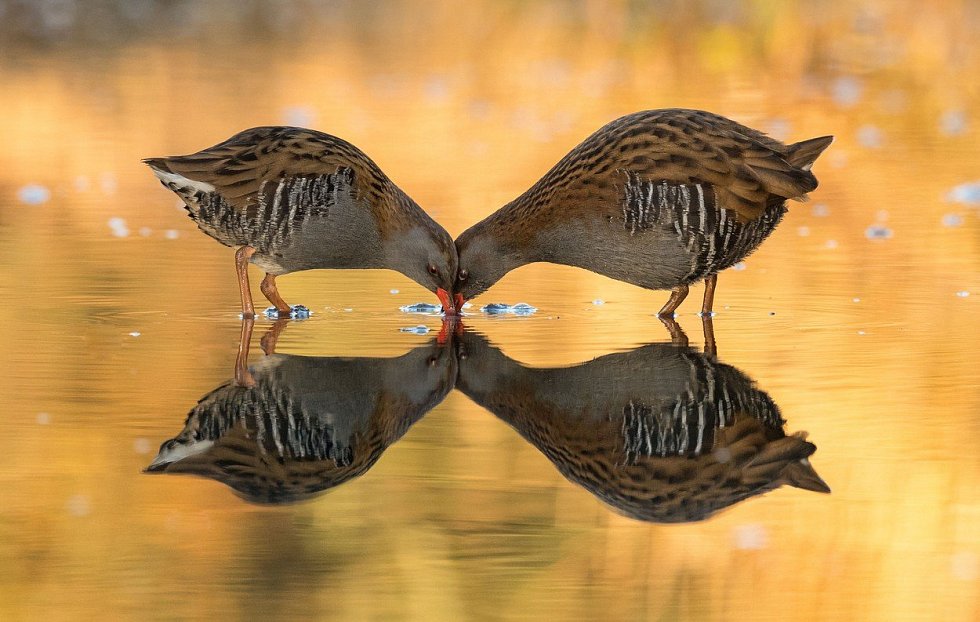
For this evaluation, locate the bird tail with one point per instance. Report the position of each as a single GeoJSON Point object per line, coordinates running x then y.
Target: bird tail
{"type": "Point", "coordinates": [190, 190]}
{"type": "Point", "coordinates": [804, 153]}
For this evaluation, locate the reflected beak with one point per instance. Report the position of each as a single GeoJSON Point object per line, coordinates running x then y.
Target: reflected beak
{"type": "Point", "coordinates": [447, 303]}
{"type": "Point", "coordinates": [460, 301]}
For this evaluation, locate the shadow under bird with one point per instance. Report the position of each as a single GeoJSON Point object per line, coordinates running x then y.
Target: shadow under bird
{"type": "Point", "coordinates": [662, 433]}
{"type": "Point", "coordinates": [660, 199]}
{"type": "Point", "coordinates": [295, 199]}
{"type": "Point", "coordinates": [290, 427]}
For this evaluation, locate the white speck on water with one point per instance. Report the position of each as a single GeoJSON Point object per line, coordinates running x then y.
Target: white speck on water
{"type": "Point", "coordinates": [108, 183]}
{"type": "Point", "coordinates": [33, 194]}
{"type": "Point", "coordinates": [392, 291]}
{"type": "Point", "coordinates": [952, 220]}
{"type": "Point", "coordinates": [861, 332]}
{"type": "Point", "coordinates": [499, 308]}
{"type": "Point", "coordinates": [145, 232]}
{"type": "Point", "coordinates": [171, 234]}
{"type": "Point", "coordinates": [135, 333]}
{"type": "Point", "coordinates": [952, 122]}
{"type": "Point", "coordinates": [968, 192]}
{"type": "Point", "coordinates": [421, 307]}
{"type": "Point", "coordinates": [142, 445]}
{"type": "Point", "coordinates": [820, 210]}
{"type": "Point", "coordinates": [467, 305]}
{"type": "Point", "coordinates": [300, 116]}
{"type": "Point", "coordinates": [870, 136]}
{"type": "Point", "coordinates": [963, 293]}
{"type": "Point", "coordinates": [722, 455]}
{"type": "Point", "coordinates": [43, 418]}
{"type": "Point", "coordinates": [855, 300]}
{"type": "Point", "coordinates": [965, 566]}
{"type": "Point", "coordinates": [847, 91]}
{"type": "Point", "coordinates": [598, 302]}
{"type": "Point", "coordinates": [348, 310]}
{"type": "Point", "coordinates": [878, 232]}
{"type": "Point", "coordinates": [739, 266]}
{"type": "Point", "coordinates": [882, 215]}
{"type": "Point", "coordinates": [421, 329]}
{"type": "Point", "coordinates": [803, 231]}
{"type": "Point", "coordinates": [82, 183]}
{"type": "Point", "coordinates": [831, 244]}
{"type": "Point", "coordinates": [79, 505]}
{"type": "Point", "coordinates": [750, 537]}
{"type": "Point", "coordinates": [118, 226]}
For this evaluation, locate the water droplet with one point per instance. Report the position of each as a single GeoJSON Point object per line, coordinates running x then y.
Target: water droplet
{"type": "Point", "coordinates": [118, 227]}
{"type": "Point", "coordinates": [878, 232]}
{"type": "Point", "coordinates": [952, 122]}
{"type": "Point", "coordinates": [392, 291]}
{"type": "Point", "coordinates": [870, 136]}
{"type": "Point", "coordinates": [952, 220]}
{"type": "Point", "coordinates": [820, 210]}
{"type": "Point", "coordinates": [847, 91]}
{"type": "Point", "coordinates": [43, 418]}
{"type": "Point", "coordinates": [142, 446]}
{"type": "Point", "coordinates": [965, 193]}
{"type": "Point", "coordinates": [861, 332]}
{"type": "Point", "coordinates": [598, 301]}
{"type": "Point", "coordinates": [750, 537]}
{"type": "Point", "coordinates": [855, 300]}
{"type": "Point", "coordinates": [171, 234]}
{"type": "Point", "coordinates": [803, 231]}
{"type": "Point", "coordinates": [963, 293]}
{"type": "Point", "coordinates": [33, 194]}
{"type": "Point", "coordinates": [79, 505]}
{"type": "Point", "coordinates": [831, 244]}
{"type": "Point", "coordinates": [135, 333]}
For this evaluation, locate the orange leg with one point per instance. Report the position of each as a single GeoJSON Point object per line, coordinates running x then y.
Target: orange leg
{"type": "Point", "coordinates": [677, 296]}
{"type": "Point", "coordinates": [677, 335]}
{"type": "Point", "coordinates": [271, 292]}
{"type": "Point", "coordinates": [710, 347]}
{"type": "Point", "coordinates": [243, 377]}
{"type": "Point", "coordinates": [242, 256]}
{"type": "Point", "coordinates": [709, 294]}
{"type": "Point", "coordinates": [271, 337]}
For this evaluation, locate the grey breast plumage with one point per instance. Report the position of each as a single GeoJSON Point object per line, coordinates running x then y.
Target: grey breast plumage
{"type": "Point", "coordinates": [661, 433]}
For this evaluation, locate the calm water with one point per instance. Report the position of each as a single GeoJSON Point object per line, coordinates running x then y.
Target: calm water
{"type": "Point", "coordinates": [537, 467]}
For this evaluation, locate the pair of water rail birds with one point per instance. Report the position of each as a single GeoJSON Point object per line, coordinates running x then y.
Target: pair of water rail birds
{"type": "Point", "coordinates": [660, 199]}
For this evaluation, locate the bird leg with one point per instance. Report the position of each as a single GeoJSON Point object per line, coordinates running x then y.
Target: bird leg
{"type": "Point", "coordinates": [709, 294]}
{"type": "Point", "coordinates": [677, 296]}
{"type": "Point", "coordinates": [271, 292]}
{"type": "Point", "coordinates": [242, 255]}
{"type": "Point", "coordinates": [243, 377]}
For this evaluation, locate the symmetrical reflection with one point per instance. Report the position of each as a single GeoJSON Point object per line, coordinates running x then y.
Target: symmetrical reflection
{"type": "Point", "coordinates": [289, 427]}
{"type": "Point", "coordinates": [661, 433]}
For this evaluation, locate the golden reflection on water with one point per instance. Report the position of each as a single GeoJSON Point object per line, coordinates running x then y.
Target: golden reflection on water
{"type": "Point", "coordinates": [865, 344]}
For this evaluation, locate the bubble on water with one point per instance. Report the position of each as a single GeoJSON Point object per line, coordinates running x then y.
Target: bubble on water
{"type": "Point", "coordinates": [499, 308]}
{"type": "Point", "coordinates": [142, 446]}
{"type": "Point", "coordinates": [847, 91]}
{"type": "Point", "coordinates": [33, 194]}
{"type": "Point", "coordinates": [145, 232]}
{"type": "Point", "coordinates": [963, 293]}
{"type": "Point", "coordinates": [392, 291]}
{"type": "Point", "coordinates": [416, 330]}
{"type": "Point", "coordinates": [598, 302]}
{"type": "Point", "coordinates": [870, 136]}
{"type": "Point", "coordinates": [43, 418]}
{"type": "Point", "coordinates": [855, 300]}
{"type": "Point", "coordinates": [135, 333]}
{"type": "Point", "coordinates": [965, 193]}
{"type": "Point", "coordinates": [831, 244]}
{"type": "Point", "coordinates": [803, 231]}
{"type": "Point", "coordinates": [750, 537]}
{"type": "Point", "coordinates": [861, 332]}
{"type": "Point", "coordinates": [118, 227]}
{"type": "Point", "coordinates": [296, 312]}
{"type": "Point", "coordinates": [952, 122]}
{"type": "Point", "coordinates": [349, 310]}
{"type": "Point", "coordinates": [82, 183]}
{"type": "Point", "coordinates": [171, 234]}
{"type": "Point", "coordinates": [820, 210]}
{"type": "Point", "coordinates": [421, 307]}
{"type": "Point", "coordinates": [878, 232]}
{"type": "Point", "coordinates": [952, 220]}
{"type": "Point", "coordinates": [965, 566]}
{"type": "Point", "coordinates": [300, 116]}
{"type": "Point", "coordinates": [739, 266]}
{"type": "Point", "coordinates": [79, 505]}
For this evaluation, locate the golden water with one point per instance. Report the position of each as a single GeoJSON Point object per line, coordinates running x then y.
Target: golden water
{"type": "Point", "coordinates": [869, 345]}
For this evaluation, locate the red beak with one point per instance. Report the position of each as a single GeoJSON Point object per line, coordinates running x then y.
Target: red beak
{"type": "Point", "coordinates": [447, 304]}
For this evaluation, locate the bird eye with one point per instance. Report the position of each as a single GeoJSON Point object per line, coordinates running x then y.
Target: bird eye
{"type": "Point", "coordinates": [463, 275]}
{"type": "Point", "coordinates": [433, 270]}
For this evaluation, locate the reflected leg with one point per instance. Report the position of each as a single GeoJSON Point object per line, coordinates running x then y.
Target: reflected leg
{"type": "Point", "coordinates": [242, 255]}
{"type": "Point", "coordinates": [271, 336]}
{"type": "Point", "coordinates": [709, 294]}
{"type": "Point", "coordinates": [710, 347]}
{"type": "Point", "coordinates": [677, 335]}
{"type": "Point", "coordinates": [243, 377]}
{"type": "Point", "coordinates": [677, 296]}
{"type": "Point", "coordinates": [271, 292]}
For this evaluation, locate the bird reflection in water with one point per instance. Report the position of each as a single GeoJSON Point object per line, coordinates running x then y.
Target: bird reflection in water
{"type": "Point", "coordinates": [662, 433]}
{"type": "Point", "coordinates": [289, 427]}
